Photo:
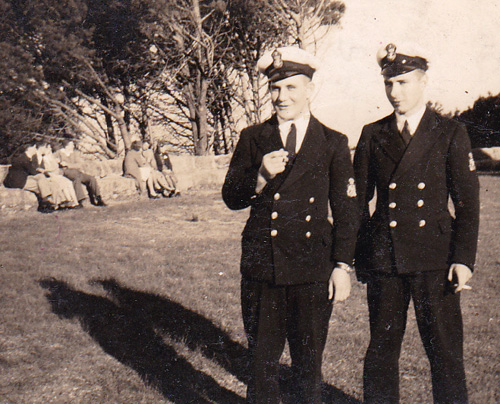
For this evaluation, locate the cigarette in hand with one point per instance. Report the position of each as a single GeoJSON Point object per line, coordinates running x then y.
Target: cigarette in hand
{"type": "Point", "coordinates": [465, 287]}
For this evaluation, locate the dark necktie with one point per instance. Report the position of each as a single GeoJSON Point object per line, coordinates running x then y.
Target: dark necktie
{"type": "Point", "coordinates": [405, 133]}
{"type": "Point", "coordinates": [291, 141]}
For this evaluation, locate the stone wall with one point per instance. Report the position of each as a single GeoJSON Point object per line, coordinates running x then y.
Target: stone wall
{"type": "Point", "coordinates": [16, 199]}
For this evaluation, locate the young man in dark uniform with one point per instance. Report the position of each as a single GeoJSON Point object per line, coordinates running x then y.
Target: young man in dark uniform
{"type": "Point", "coordinates": [289, 170]}
{"type": "Point", "coordinates": [412, 247]}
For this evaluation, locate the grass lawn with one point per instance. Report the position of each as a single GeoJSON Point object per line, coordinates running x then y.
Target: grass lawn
{"type": "Point", "coordinates": [139, 303]}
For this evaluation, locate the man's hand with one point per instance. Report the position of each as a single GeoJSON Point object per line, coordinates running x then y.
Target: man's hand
{"type": "Point", "coordinates": [273, 163]}
{"type": "Point", "coordinates": [461, 274]}
{"type": "Point", "coordinates": [341, 280]}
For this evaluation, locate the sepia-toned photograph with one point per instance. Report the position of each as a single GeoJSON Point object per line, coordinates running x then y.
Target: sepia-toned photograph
{"type": "Point", "coordinates": [249, 201]}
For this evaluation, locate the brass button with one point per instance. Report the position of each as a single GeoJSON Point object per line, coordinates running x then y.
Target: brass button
{"type": "Point", "coordinates": [392, 185]}
{"type": "Point", "coordinates": [421, 223]}
{"type": "Point", "coordinates": [308, 234]}
{"type": "Point", "coordinates": [421, 185]}
{"type": "Point", "coordinates": [277, 196]}
{"type": "Point", "coordinates": [393, 223]}
{"type": "Point", "coordinates": [420, 203]}
{"type": "Point", "coordinates": [274, 215]}
{"type": "Point", "coordinates": [311, 199]}
{"type": "Point", "coordinates": [392, 205]}
{"type": "Point", "coordinates": [274, 233]}
{"type": "Point", "coordinates": [308, 218]}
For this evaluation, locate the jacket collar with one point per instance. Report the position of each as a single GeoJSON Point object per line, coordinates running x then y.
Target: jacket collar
{"type": "Point", "coordinates": [423, 140]}
{"type": "Point", "coordinates": [312, 146]}
{"type": "Point", "coordinates": [389, 140]}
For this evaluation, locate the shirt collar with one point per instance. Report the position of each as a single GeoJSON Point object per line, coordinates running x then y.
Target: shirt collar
{"type": "Point", "coordinates": [300, 123]}
{"type": "Point", "coordinates": [413, 120]}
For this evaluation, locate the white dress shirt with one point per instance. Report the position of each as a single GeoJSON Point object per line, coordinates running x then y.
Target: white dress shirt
{"type": "Point", "coordinates": [413, 120]}
{"type": "Point", "coordinates": [301, 124]}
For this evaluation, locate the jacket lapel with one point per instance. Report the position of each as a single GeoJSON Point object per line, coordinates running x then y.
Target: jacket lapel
{"type": "Point", "coordinates": [423, 140]}
{"type": "Point", "coordinates": [389, 140]}
{"type": "Point", "coordinates": [312, 147]}
{"type": "Point", "coordinates": [269, 139]}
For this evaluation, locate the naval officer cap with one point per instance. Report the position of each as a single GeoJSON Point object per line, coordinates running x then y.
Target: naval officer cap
{"type": "Point", "coordinates": [395, 60]}
{"type": "Point", "coordinates": [281, 63]}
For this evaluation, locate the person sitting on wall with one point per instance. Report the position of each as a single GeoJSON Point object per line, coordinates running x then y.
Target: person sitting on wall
{"type": "Point", "coordinates": [63, 192]}
{"type": "Point", "coordinates": [23, 175]}
{"type": "Point", "coordinates": [135, 166]}
{"type": "Point", "coordinates": [165, 166]}
{"type": "Point", "coordinates": [160, 181]}
{"type": "Point", "coordinates": [70, 162]}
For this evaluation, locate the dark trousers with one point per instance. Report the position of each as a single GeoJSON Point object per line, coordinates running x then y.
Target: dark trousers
{"type": "Point", "coordinates": [79, 180]}
{"type": "Point", "coordinates": [274, 314]}
{"type": "Point", "coordinates": [439, 322]}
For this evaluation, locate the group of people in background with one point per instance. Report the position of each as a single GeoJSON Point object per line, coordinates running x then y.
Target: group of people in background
{"type": "Point", "coordinates": [151, 169]}
{"type": "Point", "coordinates": [52, 170]}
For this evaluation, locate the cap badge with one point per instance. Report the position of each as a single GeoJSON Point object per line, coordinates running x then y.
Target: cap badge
{"type": "Point", "coordinates": [391, 52]}
{"type": "Point", "coordinates": [277, 59]}
{"type": "Point", "coordinates": [351, 188]}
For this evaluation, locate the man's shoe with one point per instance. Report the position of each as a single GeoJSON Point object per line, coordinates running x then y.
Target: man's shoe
{"type": "Point", "coordinates": [98, 201]}
{"type": "Point", "coordinates": [46, 207]}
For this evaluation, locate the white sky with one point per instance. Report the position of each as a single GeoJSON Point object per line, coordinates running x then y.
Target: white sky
{"type": "Point", "coordinates": [461, 39]}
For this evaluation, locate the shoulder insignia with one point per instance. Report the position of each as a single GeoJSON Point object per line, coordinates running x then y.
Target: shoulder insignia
{"type": "Point", "coordinates": [472, 164]}
{"type": "Point", "coordinates": [351, 188]}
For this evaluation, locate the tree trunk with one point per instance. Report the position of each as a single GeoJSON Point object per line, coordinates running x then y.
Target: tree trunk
{"type": "Point", "coordinates": [201, 147]}
{"type": "Point", "coordinates": [125, 133]}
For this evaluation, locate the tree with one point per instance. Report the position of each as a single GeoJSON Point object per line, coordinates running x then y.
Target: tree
{"type": "Point", "coordinates": [190, 36]}
{"type": "Point", "coordinates": [483, 121]}
{"type": "Point", "coordinates": [307, 20]}
{"type": "Point", "coordinates": [102, 69]}
{"type": "Point", "coordinates": [256, 29]}
{"type": "Point", "coordinates": [210, 49]}
{"type": "Point", "coordinates": [21, 115]}
{"type": "Point", "coordinates": [87, 66]}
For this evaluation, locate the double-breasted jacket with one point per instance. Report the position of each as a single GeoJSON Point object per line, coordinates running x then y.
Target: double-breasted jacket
{"type": "Point", "coordinates": [412, 229]}
{"type": "Point", "coordinates": [288, 238]}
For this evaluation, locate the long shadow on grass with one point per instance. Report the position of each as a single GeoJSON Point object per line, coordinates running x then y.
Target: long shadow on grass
{"type": "Point", "coordinates": [128, 333]}
{"type": "Point", "coordinates": [198, 333]}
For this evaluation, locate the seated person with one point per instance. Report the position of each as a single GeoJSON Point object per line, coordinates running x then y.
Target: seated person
{"type": "Point", "coordinates": [63, 193]}
{"type": "Point", "coordinates": [135, 166]}
{"type": "Point", "coordinates": [70, 163]}
{"type": "Point", "coordinates": [160, 182]}
{"type": "Point", "coordinates": [165, 166]}
{"type": "Point", "coordinates": [23, 175]}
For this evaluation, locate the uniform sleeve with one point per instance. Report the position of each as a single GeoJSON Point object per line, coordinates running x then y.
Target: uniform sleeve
{"type": "Point", "coordinates": [364, 174]}
{"type": "Point", "coordinates": [365, 180]}
{"type": "Point", "coordinates": [463, 184]}
{"type": "Point", "coordinates": [241, 179]}
{"type": "Point", "coordinates": [344, 204]}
